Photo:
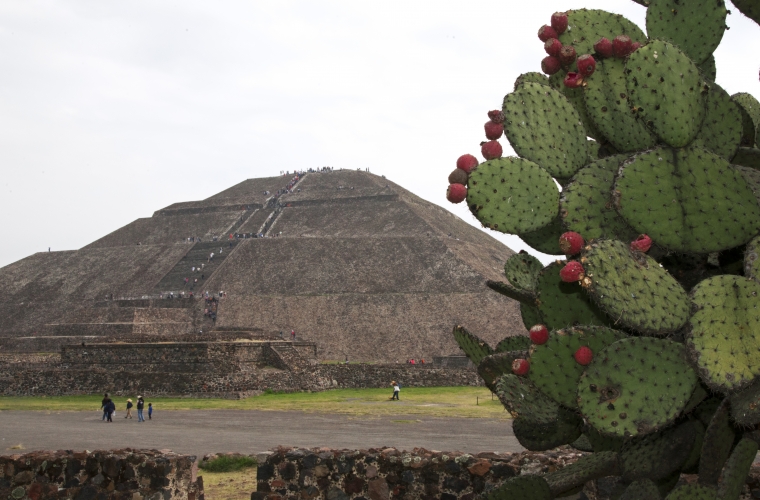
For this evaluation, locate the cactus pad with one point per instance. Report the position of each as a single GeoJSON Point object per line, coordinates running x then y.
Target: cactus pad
{"type": "Point", "coordinates": [520, 397]}
{"type": "Point", "coordinates": [512, 195]}
{"type": "Point", "coordinates": [745, 406]}
{"type": "Point", "coordinates": [725, 331]}
{"type": "Point", "coordinates": [632, 288]}
{"type": "Point", "coordinates": [514, 343]}
{"type": "Point", "coordinates": [586, 203]}
{"type": "Point", "coordinates": [511, 292]}
{"type": "Point", "coordinates": [693, 492]}
{"type": "Point", "coordinates": [691, 463]}
{"type": "Point", "coordinates": [689, 211]}
{"type": "Point", "coordinates": [582, 444]}
{"type": "Point", "coordinates": [666, 89]}
{"type": "Point", "coordinates": [657, 456]}
{"type": "Point", "coordinates": [721, 130]}
{"type": "Point", "coordinates": [750, 109]}
{"type": "Point", "coordinates": [643, 489]}
{"type": "Point", "coordinates": [586, 26]}
{"type": "Point", "coordinates": [736, 469]}
{"type": "Point", "coordinates": [575, 96]}
{"type": "Point", "coordinates": [552, 366]}
{"type": "Point", "coordinates": [719, 437]}
{"type": "Point", "coordinates": [523, 487]}
{"type": "Point", "coordinates": [752, 259]}
{"type": "Point", "coordinates": [492, 367]}
{"type": "Point", "coordinates": [563, 304]}
{"type": "Point", "coordinates": [747, 157]}
{"type": "Point", "coordinates": [540, 437]}
{"type": "Point", "coordinates": [546, 239]}
{"type": "Point", "coordinates": [708, 69]}
{"type": "Point", "coordinates": [522, 269]}
{"type": "Point", "coordinates": [608, 107]}
{"type": "Point", "coordinates": [598, 151]}
{"type": "Point", "coordinates": [595, 466]}
{"type": "Point", "coordinates": [531, 77]}
{"type": "Point", "coordinates": [695, 26]}
{"type": "Point", "coordinates": [636, 386]}
{"type": "Point", "coordinates": [600, 442]}
{"type": "Point", "coordinates": [749, 8]}
{"type": "Point", "coordinates": [473, 347]}
{"type": "Point", "coordinates": [543, 126]}
{"type": "Point", "coordinates": [752, 177]}
{"type": "Point", "coordinates": [529, 315]}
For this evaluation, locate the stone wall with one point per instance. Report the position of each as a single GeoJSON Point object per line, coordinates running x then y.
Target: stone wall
{"type": "Point", "coordinates": [54, 343]}
{"type": "Point", "coordinates": [387, 473]}
{"type": "Point", "coordinates": [382, 474]}
{"type": "Point", "coordinates": [117, 474]}
{"type": "Point", "coordinates": [17, 380]}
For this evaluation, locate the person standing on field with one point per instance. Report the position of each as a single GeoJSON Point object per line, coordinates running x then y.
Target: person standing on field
{"type": "Point", "coordinates": [129, 409]}
{"type": "Point", "coordinates": [140, 407]}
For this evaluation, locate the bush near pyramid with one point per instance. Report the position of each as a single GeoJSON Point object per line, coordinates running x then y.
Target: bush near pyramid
{"type": "Point", "coordinates": [359, 266]}
{"type": "Point", "coordinates": [645, 350]}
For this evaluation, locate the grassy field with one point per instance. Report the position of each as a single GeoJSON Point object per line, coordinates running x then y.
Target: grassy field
{"type": "Point", "coordinates": [229, 485]}
{"type": "Point", "coordinates": [465, 402]}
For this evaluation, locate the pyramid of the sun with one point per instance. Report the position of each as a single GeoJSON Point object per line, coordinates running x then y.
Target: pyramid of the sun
{"type": "Point", "coordinates": [350, 261]}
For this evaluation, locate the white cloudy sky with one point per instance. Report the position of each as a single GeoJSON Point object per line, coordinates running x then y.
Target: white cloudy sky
{"type": "Point", "coordinates": [113, 109]}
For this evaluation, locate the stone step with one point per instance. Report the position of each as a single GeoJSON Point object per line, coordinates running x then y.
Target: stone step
{"type": "Point", "coordinates": [198, 256]}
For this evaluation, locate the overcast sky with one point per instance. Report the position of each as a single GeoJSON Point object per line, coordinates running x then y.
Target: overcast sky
{"type": "Point", "coordinates": [113, 109]}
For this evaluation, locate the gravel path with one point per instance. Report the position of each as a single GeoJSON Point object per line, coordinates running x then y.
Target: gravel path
{"type": "Point", "coordinates": [198, 432]}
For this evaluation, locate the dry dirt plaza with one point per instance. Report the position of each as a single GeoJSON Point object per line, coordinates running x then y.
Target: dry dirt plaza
{"type": "Point", "coordinates": [198, 432]}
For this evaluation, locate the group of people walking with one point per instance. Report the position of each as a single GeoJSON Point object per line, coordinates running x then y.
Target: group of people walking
{"type": "Point", "coordinates": [109, 408]}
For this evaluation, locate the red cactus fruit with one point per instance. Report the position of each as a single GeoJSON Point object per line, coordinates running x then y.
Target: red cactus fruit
{"type": "Point", "coordinates": [493, 130]}
{"type": "Point", "coordinates": [550, 65]}
{"type": "Point", "coordinates": [642, 244]}
{"type": "Point", "coordinates": [552, 47]}
{"type": "Point", "coordinates": [456, 193]}
{"type": "Point", "coordinates": [604, 47]}
{"type": "Point", "coordinates": [573, 80]}
{"type": "Point", "coordinates": [468, 163]}
{"type": "Point", "coordinates": [491, 150]}
{"type": "Point", "coordinates": [572, 272]}
{"type": "Point", "coordinates": [583, 355]}
{"type": "Point", "coordinates": [567, 55]}
{"type": "Point", "coordinates": [571, 243]}
{"type": "Point", "coordinates": [621, 46]}
{"type": "Point", "coordinates": [458, 176]}
{"type": "Point", "coordinates": [635, 46]}
{"type": "Point", "coordinates": [559, 22]}
{"type": "Point", "coordinates": [546, 32]}
{"type": "Point", "coordinates": [539, 334]}
{"type": "Point", "coordinates": [586, 65]}
{"type": "Point", "coordinates": [520, 366]}
{"type": "Point", "coordinates": [496, 116]}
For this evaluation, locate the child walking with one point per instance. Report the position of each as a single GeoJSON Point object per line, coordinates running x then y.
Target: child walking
{"type": "Point", "coordinates": [150, 411]}
{"type": "Point", "coordinates": [396, 390]}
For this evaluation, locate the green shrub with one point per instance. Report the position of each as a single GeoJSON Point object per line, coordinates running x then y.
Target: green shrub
{"type": "Point", "coordinates": [227, 463]}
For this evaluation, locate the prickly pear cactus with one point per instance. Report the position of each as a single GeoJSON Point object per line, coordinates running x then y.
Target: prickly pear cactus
{"type": "Point", "coordinates": [644, 344]}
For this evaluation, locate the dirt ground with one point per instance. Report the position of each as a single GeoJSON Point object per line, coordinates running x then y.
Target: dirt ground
{"type": "Point", "coordinates": [198, 432]}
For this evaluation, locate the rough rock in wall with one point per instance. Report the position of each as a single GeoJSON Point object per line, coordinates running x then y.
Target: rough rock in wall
{"type": "Point", "coordinates": [381, 474]}
{"type": "Point", "coordinates": [117, 474]}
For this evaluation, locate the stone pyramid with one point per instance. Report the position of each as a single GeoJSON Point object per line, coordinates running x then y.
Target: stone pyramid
{"type": "Point", "coordinates": [349, 260]}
